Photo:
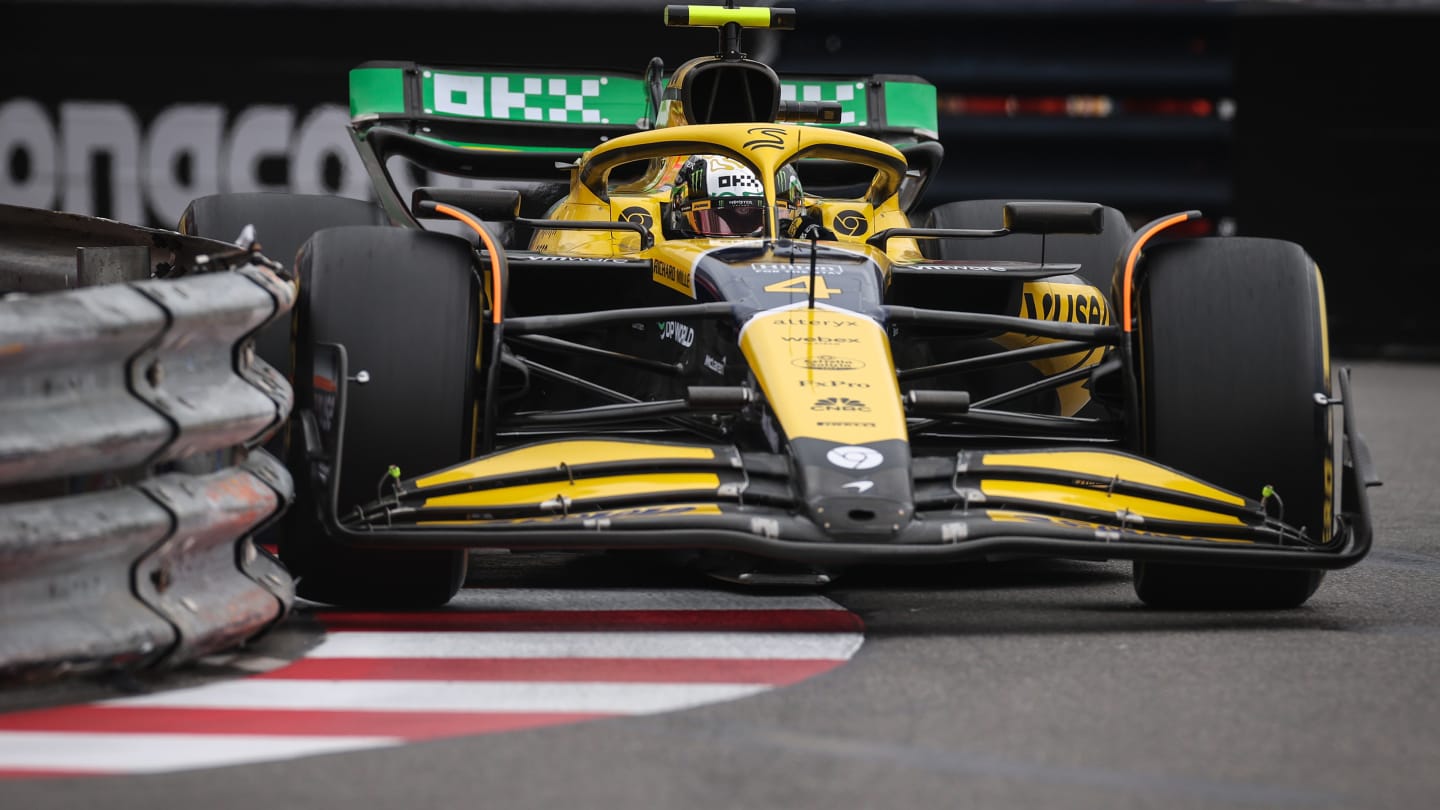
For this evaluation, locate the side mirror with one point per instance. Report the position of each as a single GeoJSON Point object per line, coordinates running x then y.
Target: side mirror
{"type": "Point", "coordinates": [1054, 217]}
{"type": "Point", "coordinates": [494, 205]}
{"type": "Point", "coordinates": [810, 112]}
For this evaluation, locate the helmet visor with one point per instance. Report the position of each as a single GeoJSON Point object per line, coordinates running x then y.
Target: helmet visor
{"type": "Point", "coordinates": [730, 217]}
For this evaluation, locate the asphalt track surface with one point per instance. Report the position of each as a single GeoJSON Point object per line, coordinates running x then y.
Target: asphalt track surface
{"type": "Point", "coordinates": [1008, 685]}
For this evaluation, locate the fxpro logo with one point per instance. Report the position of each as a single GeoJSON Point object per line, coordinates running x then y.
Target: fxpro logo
{"type": "Point", "coordinates": [99, 158]}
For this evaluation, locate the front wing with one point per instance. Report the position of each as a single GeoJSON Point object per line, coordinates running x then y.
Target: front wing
{"type": "Point", "coordinates": [604, 493]}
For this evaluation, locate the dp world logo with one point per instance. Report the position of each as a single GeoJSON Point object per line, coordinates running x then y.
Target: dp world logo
{"type": "Point", "coordinates": [854, 457]}
{"type": "Point", "coordinates": [850, 222]}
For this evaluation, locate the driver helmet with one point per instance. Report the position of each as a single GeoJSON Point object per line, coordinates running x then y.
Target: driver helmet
{"type": "Point", "coordinates": [719, 196]}
{"type": "Point", "coordinates": [789, 198]}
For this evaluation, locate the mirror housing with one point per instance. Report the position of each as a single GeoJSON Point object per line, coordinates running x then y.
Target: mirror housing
{"type": "Point", "coordinates": [494, 205]}
{"type": "Point", "coordinates": [1054, 217]}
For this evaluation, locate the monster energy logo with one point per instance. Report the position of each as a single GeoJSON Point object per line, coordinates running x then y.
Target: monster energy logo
{"type": "Point", "coordinates": [549, 99]}
{"type": "Point", "coordinates": [854, 111]}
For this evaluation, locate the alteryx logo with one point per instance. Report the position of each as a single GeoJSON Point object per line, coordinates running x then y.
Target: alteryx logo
{"type": "Point", "coordinates": [549, 99]}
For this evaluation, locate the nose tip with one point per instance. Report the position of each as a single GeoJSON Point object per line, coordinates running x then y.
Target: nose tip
{"type": "Point", "coordinates": [861, 518]}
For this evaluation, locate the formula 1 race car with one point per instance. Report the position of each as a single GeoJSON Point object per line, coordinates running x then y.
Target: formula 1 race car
{"type": "Point", "coordinates": [701, 312]}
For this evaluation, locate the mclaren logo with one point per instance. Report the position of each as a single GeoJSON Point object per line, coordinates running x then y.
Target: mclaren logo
{"type": "Point", "coordinates": [827, 362]}
{"type": "Point", "coordinates": [850, 223]}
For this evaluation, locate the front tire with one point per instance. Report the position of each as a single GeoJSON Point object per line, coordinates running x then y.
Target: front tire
{"type": "Point", "coordinates": [405, 305]}
{"type": "Point", "coordinates": [1232, 351]}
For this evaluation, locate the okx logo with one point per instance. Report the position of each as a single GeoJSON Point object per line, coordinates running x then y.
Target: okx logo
{"type": "Point", "coordinates": [512, 97]}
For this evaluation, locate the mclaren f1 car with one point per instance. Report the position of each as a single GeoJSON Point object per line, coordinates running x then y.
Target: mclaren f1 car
{"type": "Point", "coordinates": [701, 311]}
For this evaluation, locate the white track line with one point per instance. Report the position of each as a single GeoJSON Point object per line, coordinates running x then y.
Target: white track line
{"type": "Point", "coordinates": [449, 696]}
{"type": "Point", "coordinates": [775, 646]}
{"type": "Point", "coordinates": [171, 731]}
{"type": "Point", "coordinates": [153, 753]}
{"type": "Point", "coordinates": [498, 599]}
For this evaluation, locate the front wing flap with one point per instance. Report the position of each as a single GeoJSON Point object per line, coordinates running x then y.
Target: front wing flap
{"type": "Point", "coordinates": [612, 494]}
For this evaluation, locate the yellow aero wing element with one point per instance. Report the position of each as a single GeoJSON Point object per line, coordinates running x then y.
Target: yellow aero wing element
{"type": "Point", "coordinates": [1099, 500]}
{"type": "Point", "coordinates": [1112, 465]}
{"type": "Point", "coordinates": [631, 513]}
{"type": "Point", "coordinates": [549, 456]}
{"type": "Point", "coordinates": [1009, 516]}
{"type": "Point", "coordinates": [827, 373]}
{"type": "Point", "coordinates": [1326, 531]}
{"type": "Point", "coordinates": [582, 489]}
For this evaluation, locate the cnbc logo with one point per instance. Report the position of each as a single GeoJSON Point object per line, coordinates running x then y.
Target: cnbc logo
{"type": "Point", "coordinates": [509, 97]}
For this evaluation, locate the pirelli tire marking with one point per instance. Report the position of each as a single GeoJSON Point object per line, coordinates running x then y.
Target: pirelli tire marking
{"type": "Point", "coordinates": [495, 660]}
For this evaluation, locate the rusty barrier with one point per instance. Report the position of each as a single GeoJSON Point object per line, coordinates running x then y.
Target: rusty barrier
{"type": "Point", "coordinates": [132, 416]}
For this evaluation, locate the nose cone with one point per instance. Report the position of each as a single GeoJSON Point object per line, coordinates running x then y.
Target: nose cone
{"type": "Point", "coordinates": [826, 373]}
{"type": "Point", "coordinates": [856, 493]}
{"type": "Point", "coordinates": [860, 519]}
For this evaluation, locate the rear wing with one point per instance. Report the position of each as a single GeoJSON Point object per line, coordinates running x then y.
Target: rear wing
{"type": "Point", "coordinates": [573, 110]}
{"type": "Point", "coordinates": [530, 124]}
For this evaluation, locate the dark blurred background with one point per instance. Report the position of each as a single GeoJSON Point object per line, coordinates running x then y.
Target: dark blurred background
{"type": "Point", "coordinates": [1309, 121]}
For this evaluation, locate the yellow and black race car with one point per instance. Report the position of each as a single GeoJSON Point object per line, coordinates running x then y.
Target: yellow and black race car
{"type": "Point", "coordinates": [697, 311]}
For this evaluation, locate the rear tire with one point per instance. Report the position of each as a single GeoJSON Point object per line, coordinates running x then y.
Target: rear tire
{"type": "Point", "coordinates": [405, 305]}
{"type": "Point", "coordinates": [1232, 351]}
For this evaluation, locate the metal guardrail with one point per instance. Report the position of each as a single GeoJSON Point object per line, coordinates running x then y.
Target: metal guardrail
{"type": "Point", "coordinates": [161, 572]}
{"type": "Point", "coordinates": [132, 482]}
